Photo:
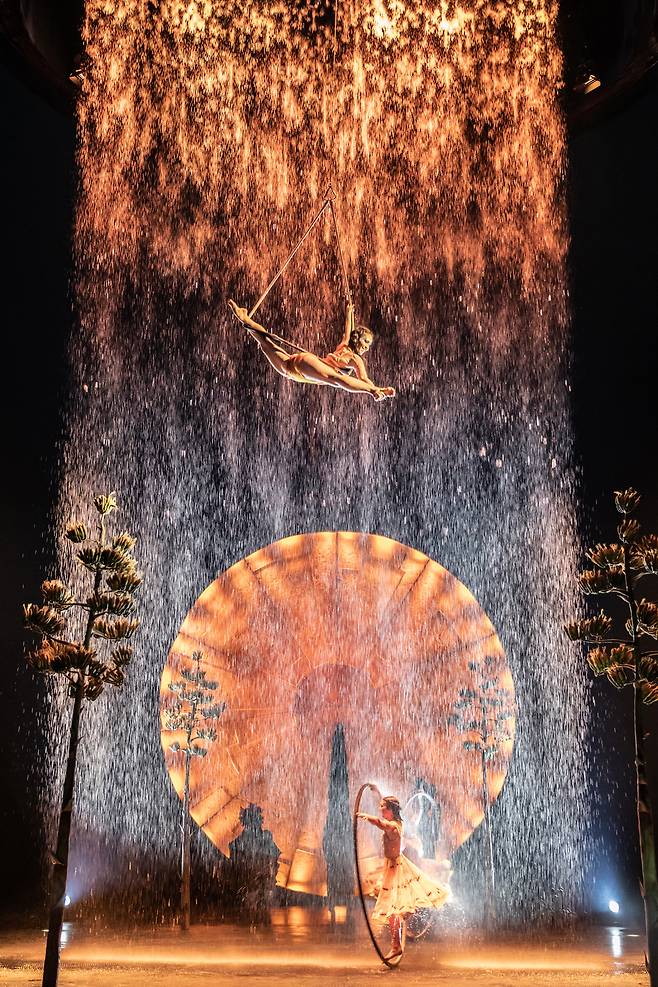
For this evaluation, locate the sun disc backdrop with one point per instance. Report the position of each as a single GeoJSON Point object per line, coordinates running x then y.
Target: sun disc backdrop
{"type": "Point", "coordinates": [317, 630]}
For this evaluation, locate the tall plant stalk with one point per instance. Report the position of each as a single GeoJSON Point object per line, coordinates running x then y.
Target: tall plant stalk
{"type": "Point", "coordinates": [483, 713]}
{"type": "Point", "coordinates": [187, 715]}
{"type": "Point", "coordinates": [627, 658]}
{"type": "Point", "coordinates": [105, 612]}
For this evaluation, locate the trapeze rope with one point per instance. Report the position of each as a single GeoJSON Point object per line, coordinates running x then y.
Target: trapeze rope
{"type": "Point", "coordinates": [329, 198]}
{"type": "Point", "coordinates": [327, 201]}
{"type": "Point", "coordinates": [346, 283]}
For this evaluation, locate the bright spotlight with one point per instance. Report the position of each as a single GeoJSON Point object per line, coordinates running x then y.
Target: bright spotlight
{"type": "Point", "coordinates": [67, 901]}
{"type": "Point", "coordinates": [586, 83]}
{"type": "Point", "coordinates": [613, 906]}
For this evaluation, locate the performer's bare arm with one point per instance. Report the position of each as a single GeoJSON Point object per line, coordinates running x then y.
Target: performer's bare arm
{"type": "Point", "coordinates": [377, 821]}
{"type": "Point", "coordinates": [360, 368]}
{"type": "Point", "coordinates": [349, 325]}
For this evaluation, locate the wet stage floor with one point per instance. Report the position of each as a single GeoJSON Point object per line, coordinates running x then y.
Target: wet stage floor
{"type": "Point", "coordinates": [312, 954]}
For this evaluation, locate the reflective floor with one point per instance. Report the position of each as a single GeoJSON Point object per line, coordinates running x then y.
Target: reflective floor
{"type": "Point", "coordinates": [296, 947]}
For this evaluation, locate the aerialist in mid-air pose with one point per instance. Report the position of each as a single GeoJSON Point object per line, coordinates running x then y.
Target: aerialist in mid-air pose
{"type": "Point", "coordinates": [335, 369]}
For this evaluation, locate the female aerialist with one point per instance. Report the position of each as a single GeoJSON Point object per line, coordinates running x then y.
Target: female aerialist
{"type": "Point", "coordinates": [336, 368]}
{"type": "Point", "coordinates": [402, 888]}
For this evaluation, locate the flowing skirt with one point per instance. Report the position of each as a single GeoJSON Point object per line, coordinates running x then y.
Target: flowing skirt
{"type": "Point", "coordinates": [403, 889]}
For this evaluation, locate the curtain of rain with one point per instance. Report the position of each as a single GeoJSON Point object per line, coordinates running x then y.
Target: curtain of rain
{"type": "Point", "coordinates": [207, 135]}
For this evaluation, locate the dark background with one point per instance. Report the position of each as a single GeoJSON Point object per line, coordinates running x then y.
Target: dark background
{"type": "Point", "coordinates": [614, 258]}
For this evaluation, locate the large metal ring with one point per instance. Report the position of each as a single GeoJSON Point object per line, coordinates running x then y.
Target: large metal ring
{"type": "Point", "coordinates": [395, 961]}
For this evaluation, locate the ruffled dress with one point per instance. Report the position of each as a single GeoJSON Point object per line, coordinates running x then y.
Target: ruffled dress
{"type": "Point", "coordinates": [401, 888]}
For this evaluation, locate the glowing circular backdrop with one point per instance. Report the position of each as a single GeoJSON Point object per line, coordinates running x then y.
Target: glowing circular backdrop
{"type": "Point", "coordinates": [324, 629]}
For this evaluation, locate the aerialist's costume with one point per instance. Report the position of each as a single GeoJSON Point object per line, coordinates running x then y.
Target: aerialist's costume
{"type": "Point", "coordinates": [344, 368]}
{"type": "Point", "coordinates": [402, 888]}
{"type": "Point", "coordinates": [335, 370]}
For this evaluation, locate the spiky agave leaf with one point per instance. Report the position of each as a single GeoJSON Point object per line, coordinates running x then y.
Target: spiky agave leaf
{"type": "Point", "coordinates": [647, 617]}
{"type": "Point", "coordinates": [124, 541]}
{"type": "Point", "coordinates": [43, 620]}
{"type": "Point", "coordinates": [602, 581]}
{"type": "Point", "coordinates": [648, 669]}
{"type": "Point", "coordinates": [116, 560]}
{"type": "Point", "coordinates": [606, 556]}
{"type": "Point", "coordinates": [116, 604]}
{"type": "Point", "coordinates": [644, 554]}
{"type": "Point", "coordinates": [113, 675]}
{"type": "Point", "coordinates": [629, 530]}
{"type": "Point", "coordinates": [90, 557]}
{"type": "Point", "coordinates": [627, 500]}
{"type": "Point", "coordinates": [594, 628]}
{"type": "Point", "coordinates": [125, 580]}
{"type": "Point", "coordinates": [93, 689]}
{"type": "Point", "coordinates": [76, 532]}
{"type": "Point", "coordinates": [55, 657]}
{"type": "Point", "coordinates": [189, 674]}
{"type": "Point", "coordinates": [206, 734]}
{"type": "Point", "coordinates": [649, 692]}
{"type": "Point", "coordinates": [106, 503]}
{"type": "Point", "coordinates": [57, 594]}
{"type": "Point", "coordinates": [617, 663]}
{"type": "Point", "coordinates": [177, 721]}
{"type": "Point", "coordinates": [621, 675]}
{"type": "Point", "coordinates": [122, 655]}
{"type": "Point", "coordinates": [599, 660]}
{"type": "Point", "coordinates": [116, 629]}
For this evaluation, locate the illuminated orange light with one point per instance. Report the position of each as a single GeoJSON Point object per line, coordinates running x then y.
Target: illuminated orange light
{"type": "Point", "coordinates": [295, 655]}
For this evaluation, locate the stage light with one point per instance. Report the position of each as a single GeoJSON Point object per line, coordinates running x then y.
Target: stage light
{"type": "Point", "coordinates": [81, 66]}
{"type": "Point", "coordinates": [613, 906]}
{"type": "Point", "coordinates": [67, 901]}
{"type": "Point", "coordinates": [586, 82]}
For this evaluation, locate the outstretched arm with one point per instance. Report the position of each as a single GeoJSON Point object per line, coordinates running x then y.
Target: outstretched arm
{"type": "Point", "coordinates": [349, 324]}
{"type": "Point", "coordinates": [376, 821]}
{"type": "Point", "coordinates": [360, 368]}
{"type": "Point", "coordinates": [362, 374]}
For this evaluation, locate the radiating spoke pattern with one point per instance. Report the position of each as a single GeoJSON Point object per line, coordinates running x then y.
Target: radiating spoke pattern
{"type": "Point", "coordinates": [328, 628]}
